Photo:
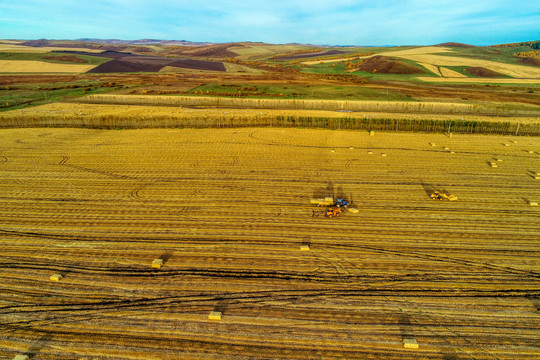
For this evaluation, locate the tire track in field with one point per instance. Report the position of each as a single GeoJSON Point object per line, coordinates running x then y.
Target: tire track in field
{"type": "Point", "coordinates": [349, 163]}
{"type": "Point", "coordinates": [415, 254]}
{"type": "Point", "coordinates": [237, 298]}
{"type": "Point", "coordinates": [134, 194]}
{"type": "Point", "coordinates": [65, 159]}
{"type": "Point", "coordinates": [362, 279]}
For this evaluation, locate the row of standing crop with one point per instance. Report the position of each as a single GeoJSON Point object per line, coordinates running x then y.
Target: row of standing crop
{"type": "Point", "coordinates": [223, 121]}
{"type": "Point", "coordinates": [329, 105]}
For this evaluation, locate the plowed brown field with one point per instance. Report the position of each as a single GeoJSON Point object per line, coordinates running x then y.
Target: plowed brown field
{"type": "Point", "coordinates": [228, 209]}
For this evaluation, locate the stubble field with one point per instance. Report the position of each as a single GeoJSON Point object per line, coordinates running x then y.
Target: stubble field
{"type": "Point", "coordinates": [228, 209]}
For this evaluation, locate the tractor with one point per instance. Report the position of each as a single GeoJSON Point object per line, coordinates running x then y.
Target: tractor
{"type": "Point", "coordinates": [342, 202]}
{"type": "Point", "coordinates": [332, 212]}
{"type": "Point", "coordinates": [442, 196]}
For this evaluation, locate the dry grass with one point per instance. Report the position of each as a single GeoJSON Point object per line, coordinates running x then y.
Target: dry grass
{"type": "Point", "coordinates": [179, 70]}
{"type": "Point", "coordinates": [237, 68]}
{"type": "Point", "coordinates": [229, 209]}
{"type": "Point", "coordinates": [338, 59]}
{"type": "Point", "coordinates": [27, 66]}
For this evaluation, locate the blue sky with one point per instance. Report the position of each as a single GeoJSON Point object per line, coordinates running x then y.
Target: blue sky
{"type": "Point", "coordinates": [332, 22]}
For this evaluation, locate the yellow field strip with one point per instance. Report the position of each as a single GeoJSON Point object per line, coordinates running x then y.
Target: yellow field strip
{"type": "Point", "coordinates": [451, 73]}
{"type": "Point", "coordinates": [30, 66]}
{"type": "Point", "coordinates": [434, 69]}
{"type": "Point", "coordinates": [399, 53]}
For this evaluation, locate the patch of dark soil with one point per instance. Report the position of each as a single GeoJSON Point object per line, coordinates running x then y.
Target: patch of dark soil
{"type": "Point", "coordinates": [529, 61]}
{"type": "Point", "coordinates": [142, 63]}
{"type": "Point", "coordinates": [199, 65]}
{"type": "Point", "coordinates": [387, 65]}
{"type": "Point", "coordinates": [455, 44]}
{"type": "Point", "coordinates": [309, 55]}
{"type": "Point", "coordinates": [220, 51]}
{"type": "Point", "coordinates": [132, 63]}
{"type": "Point", "coordinates": [66, 58]}
{"type": "Point", "coordinates": [483, 72]}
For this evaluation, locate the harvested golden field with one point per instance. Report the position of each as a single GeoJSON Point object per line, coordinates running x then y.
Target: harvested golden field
{"type": "Point", "coordinates": [227, 210]}
{"type": "Point", "coordinates": [29, 66]}
{"type": "Point", "coordinates": [451, 73]}
{"type": "Point", "coordinates": [434, 69]}
{"type": "Point", "coordinates": [134, 116]}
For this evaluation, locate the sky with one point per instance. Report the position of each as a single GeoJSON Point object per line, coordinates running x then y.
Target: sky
{"type": "Point", "coordinates": [318, 22]}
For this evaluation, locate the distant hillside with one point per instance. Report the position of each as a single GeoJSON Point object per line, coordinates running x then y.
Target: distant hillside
{"type": "Point", "coordinates": [531, 44]}
{"type": "Point", "coordinates": [388, 65]}
{"type": "Point", "coordinates": [455, 44]}
{"type": "Point", "coordinates": [144, 42]}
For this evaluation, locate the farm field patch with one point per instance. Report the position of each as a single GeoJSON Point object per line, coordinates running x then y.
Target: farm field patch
{"type": "Point", "coordinates": [228, 210]}
{"type": "Point", "coordinates": [29, 66]}
{"type": "Point", "coordinates": [432, 57]}
{"type": "Point", "coordinates": [448, 73]}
